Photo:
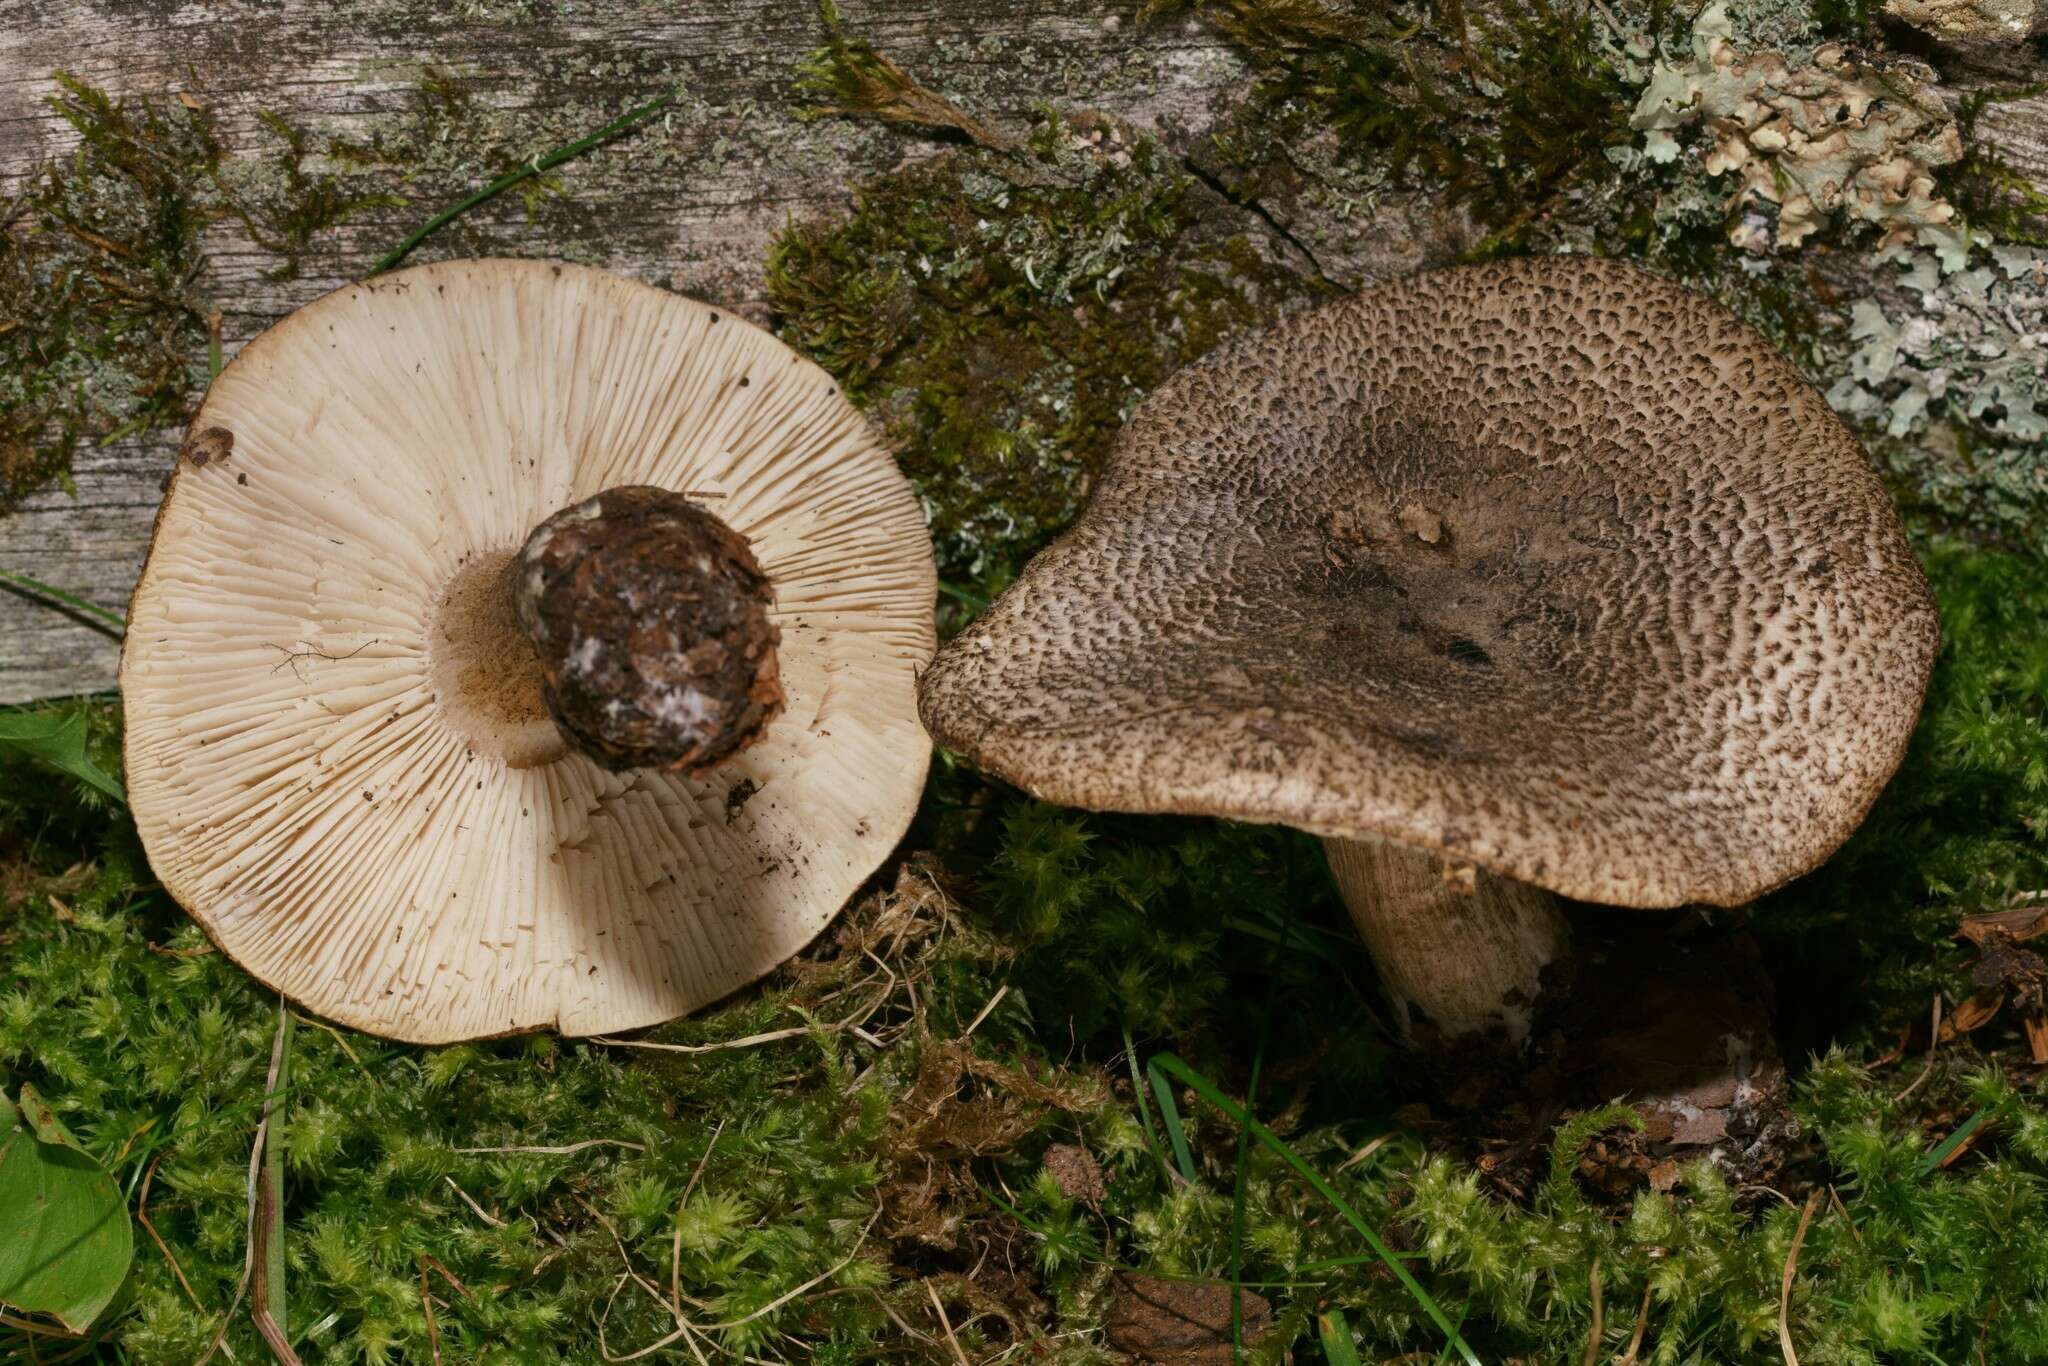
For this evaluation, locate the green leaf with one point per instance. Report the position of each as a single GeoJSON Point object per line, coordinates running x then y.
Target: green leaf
{"type": "Point", "coordinates": [59, 741]}
{"type": "Point", "coordinates": [1335, 1335]}
{"type": "Point", "coordinates": [65, 1240]}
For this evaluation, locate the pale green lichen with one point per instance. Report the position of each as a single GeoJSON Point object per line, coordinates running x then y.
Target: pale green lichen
{"type": "Point", "coordinates": [1959, 385]}
{"type": "Point", "coordinates": [1810, 142]}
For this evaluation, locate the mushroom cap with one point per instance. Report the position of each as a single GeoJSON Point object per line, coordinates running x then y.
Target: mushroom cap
{"type": "Point", "coordinates": [1551, 566]}
{"type": "Point", "coordinates": [427, 861]}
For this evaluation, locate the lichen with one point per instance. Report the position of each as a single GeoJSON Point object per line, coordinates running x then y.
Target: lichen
{"type": "Point", "coordinates": [1833, 136]}
{"type": "Point", "coordinates": [2002, 20]}
{"type": "Point", "coordinates": [1958, 388]}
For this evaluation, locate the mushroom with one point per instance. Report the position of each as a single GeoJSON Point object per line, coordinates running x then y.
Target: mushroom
{"type": "Point", "coordinates": [521, 646]}
{"type": "Point", "coordinates": [1536, 578]}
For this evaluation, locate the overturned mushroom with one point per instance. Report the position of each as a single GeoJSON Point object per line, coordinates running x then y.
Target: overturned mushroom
{"type": "Point", "coordinates": [521, 646]}
{"type": "Point", "coordinates": [1543, 577]}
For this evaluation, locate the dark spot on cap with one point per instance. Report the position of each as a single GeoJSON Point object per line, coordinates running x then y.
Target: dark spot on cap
{"type": "Point", "coordinates": [207, 445]}
{"type": "Point", "coordinates": [1465, 650]}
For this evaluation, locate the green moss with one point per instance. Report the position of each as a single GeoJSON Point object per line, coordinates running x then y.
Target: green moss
{"type": "Point", "coordinates": [1994, 197]}
{"type": "Point", "coordinates": [154, 1048]}
{"type": "Point", "coordinates": [1506, 109]}
{"type": "Point", "coordinates": [103, 324]}
{"type": "Point", "coordinates": [99, 322]}
{"type": "Point", "coordinates": [1001, 317]}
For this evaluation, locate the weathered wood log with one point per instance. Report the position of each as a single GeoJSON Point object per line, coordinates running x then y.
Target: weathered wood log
{"type": "Point", "coordinates": [433, 105]}
{"type": "Point", "coordinates": [692, 201]}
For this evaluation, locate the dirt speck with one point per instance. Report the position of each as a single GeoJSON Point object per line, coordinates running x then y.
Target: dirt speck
{"type": "Point", "coordinates": [1078, 1174]}
{"type": "Point", "coordinates": [737, 796]}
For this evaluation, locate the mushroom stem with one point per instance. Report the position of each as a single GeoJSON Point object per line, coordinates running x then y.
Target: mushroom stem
{"type": "Point", "coordinates": [650, 619]}
{"type": "Point", "coordinates": [1468, 956]}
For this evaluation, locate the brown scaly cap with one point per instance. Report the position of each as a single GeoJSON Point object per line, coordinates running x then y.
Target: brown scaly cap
{"type": "Point", "coordinates": [650, 620]}
{"type": "Point", "coordinates": [1549, 565]}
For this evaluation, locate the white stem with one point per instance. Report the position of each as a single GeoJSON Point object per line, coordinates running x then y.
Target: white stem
{"type": "Point", "coordinates": [1470, 960]}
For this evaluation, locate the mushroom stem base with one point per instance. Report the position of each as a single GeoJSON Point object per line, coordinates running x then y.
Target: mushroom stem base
{"type": "Point", "coordinates": [1469, 956]}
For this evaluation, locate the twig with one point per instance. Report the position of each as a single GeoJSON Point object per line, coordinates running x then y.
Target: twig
{"type": "Point", "coordinates": [624, 123]}
{"type": "Point", "coordinates": [1599, 1325]}
{"type": "Point", "coordinates": [563, 1150]}
{"type": "Point", "coordinates": [1613, 24]}
{"type": "Point", "coordinates": [1635, 1341]}
{"type": "Point", "coordinates": [898, 1320]}
{"type": "Point", "coordinates": [946, 1324]}
{"type": "Point", "coordinates": [1367, 1151]}
{"type": "Point", "coordinates": [30, 1326]}
{"type": "Point", "coordinates": [1785, 1283]}
{"type": "Point", "coordinates": [1843, 1210]}
{"type": "Point", "coordinates": [142, 1217]}
{"type": "Point", "coordinates": [683, 1324]}
{"type": "Point", "coordinates": [292, 657]}
{"type": "Point", "coordinates": [685, 1328]}
{"type": "Point", "coordinates": [770, 1037]}
{"type": "Point", "coordinates": [343, 1043]}
{"type": "Point", "coordinates": [993, 1002]}
{"type": "Point", "coordinates": [1933, 1043]}
{"type": "Point", "coordinates": [481, 1212]}
{"type": "Point", "coordinates": [675, 1251]}
{"type": "Point", "coordinates": [202, 951]}
{"type": "Point", "coordinates": [427, 1305]}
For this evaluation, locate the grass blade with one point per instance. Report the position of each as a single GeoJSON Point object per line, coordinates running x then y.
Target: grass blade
{"type": "Point", "coordinates": [1138, 1095]}
{"type": "Point", "coordinates": [1169, 1115]}
{"type": "Point", "coordinates": [623, 124]}
{"type": "Point", "coordinates": [106, 619]}
{"type": "Point", "coordinates": [1170, 1065]}
{"type": "Point", "coordinates": [267, 1217]}
{"type": "Point", "coordinates": [1932, 1162]}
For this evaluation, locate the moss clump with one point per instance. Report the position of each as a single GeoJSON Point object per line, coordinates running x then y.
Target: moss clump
{"type": "Point", "coordinates": [103, 319]}
{"type": "Point", "coordinates": [101, 330]}
{"type": "Point", "coordinates": [1506, 109]}
{"type": "Point", "coordinates": [771, 1179]}
{"type": "Point", "coordinates": [1995, 197]}
{"type": "Point", "coordinates": [1001, 315]}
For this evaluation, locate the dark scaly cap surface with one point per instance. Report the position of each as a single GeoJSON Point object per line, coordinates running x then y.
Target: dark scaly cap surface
{"type": "Point", "coordinates": [650, 618]}
{"type": "Point", "coordinates": [1550, 565]}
